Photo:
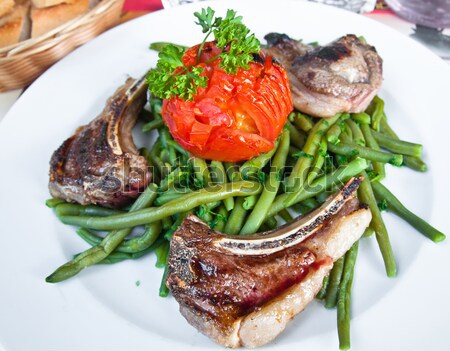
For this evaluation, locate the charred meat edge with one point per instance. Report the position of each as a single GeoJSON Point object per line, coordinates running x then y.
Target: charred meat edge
{"type": "Point", "coordinates": [291, 233]}
{"type": "Point", "coordinates": [342, 76]}
{"type": "Point", "coordinates": [330, 242]}
{"type": "Point", "coordinates": [100, 163]}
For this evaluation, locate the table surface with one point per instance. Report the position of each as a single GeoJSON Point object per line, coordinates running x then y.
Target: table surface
{"type": "Point", "coordinates": [135, 8]}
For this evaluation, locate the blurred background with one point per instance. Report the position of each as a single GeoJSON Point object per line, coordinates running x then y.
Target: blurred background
{"type": "Point", "coordinates": [23, 59]}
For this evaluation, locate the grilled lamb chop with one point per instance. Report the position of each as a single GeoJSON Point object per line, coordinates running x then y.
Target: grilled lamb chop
{"type": "Point", "coordinates": [242, 291]}
{"type": "Point", "coordinates": [100, 163]}
{"type": "Point", "coordinates": [342, 76]}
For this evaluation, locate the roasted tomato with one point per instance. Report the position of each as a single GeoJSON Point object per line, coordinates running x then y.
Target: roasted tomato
{"type": "Point", "coordinates": [237, 116]}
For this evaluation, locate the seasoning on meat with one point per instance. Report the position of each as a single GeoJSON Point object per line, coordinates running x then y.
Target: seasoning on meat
{"type": "Point", "coordinates": [241, 299]}
{"type": "Point", "coordinates": [343, 76]}
{"type": "Point", "coordinates": [100, 163]}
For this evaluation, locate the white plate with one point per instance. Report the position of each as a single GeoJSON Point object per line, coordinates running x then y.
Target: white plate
{"type": "Point", "coordinates": [104, 309]}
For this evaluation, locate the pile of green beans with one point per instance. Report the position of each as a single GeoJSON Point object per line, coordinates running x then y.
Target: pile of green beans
{"type": "Point", "coordinates": [311, 158]}
{"type": "Point", "coordinates": [368, 135]}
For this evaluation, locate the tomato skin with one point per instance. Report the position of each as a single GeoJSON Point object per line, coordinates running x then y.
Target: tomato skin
{"type": "Point", "coordinates": [237, 116]}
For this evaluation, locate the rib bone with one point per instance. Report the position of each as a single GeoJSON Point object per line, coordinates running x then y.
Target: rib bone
{"type": "Point", "coordinates": [291, 233]}
{"type": "Point", "coordinates": [100, 163]}
{"type": "Point", "coordinates": [246, 299]}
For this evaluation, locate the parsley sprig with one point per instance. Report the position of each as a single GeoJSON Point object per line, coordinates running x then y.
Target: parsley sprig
{"type": "Point", "coordinates": [171, 78]}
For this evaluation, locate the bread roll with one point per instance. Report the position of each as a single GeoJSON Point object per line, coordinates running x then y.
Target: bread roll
{"type": "Point", "coordinates": [14, 26]}
{"type": "Point", "coordinates": [45, 19]}
{"type": "Point", "coordinates": [6, 6]}
{"type": "Point", "coordinates": [47, 3]}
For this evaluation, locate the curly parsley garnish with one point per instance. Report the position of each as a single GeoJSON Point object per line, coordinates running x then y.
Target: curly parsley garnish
{"type": "Point", "coordinates": [171, 78]}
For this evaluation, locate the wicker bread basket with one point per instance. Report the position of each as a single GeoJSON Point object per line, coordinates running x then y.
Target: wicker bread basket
{"type": "Point", "coordinates": [23, 62]}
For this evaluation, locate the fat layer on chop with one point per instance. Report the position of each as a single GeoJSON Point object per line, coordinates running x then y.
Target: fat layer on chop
{"type": "Point", "coordinates": [100, 163]}
{"type": "Point", "coordinates": [343, 76]}
{"type": "Point", "coordinates": [246, 299]}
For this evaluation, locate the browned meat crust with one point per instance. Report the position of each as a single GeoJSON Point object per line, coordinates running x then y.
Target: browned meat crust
{"type": "Point", "coordinates": [100, 164]}
{"type": "Point", "coordinates": [246, 300]}
{"type": "Point", "coordinates": [342, 76]}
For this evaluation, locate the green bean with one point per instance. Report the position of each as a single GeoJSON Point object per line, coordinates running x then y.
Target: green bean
{"type": "Point", "coordinates": [52, 203]}
{"type": "Point", "coordinates": [376, 110]}
{"type": "Point", "coordinates": [145, 114]}
{"type": "Point", "coordinates": [156, 161]}
{"type": "Point", "coordinates": [398, 146]}
{"type": "Point", "coordinates": [344, 298]}
{"type": "Point", "coordinates": [219, 176]}
{"type": "Point", "coordinates": [385, 128]}
{"type": "Point", "coordinates": [333, 133]}
{"type": "Point", "coordinates": [165, 137]}
{"type": "Point", "coordinates": [352, 150]}
{"type": "Point", "coordinates": [171, 194]}
{"type": "Point", "coordinates": [166, 222]}
{"type": "Point", "coordinates": [173, 178]}
{"type": "Point", "coordinates": [160, 45]}
{"type": "Point", "coordinates": [318, 162]}
{"type": "Point", "coordinates": [212, 205]}
{"type": "Point", "coordinates": [252, 166]}
{"type": "Point", "coordinates": [165, 158]}
{"type": "Point", "coordinates": [302, 121]}
{"type": "Point", "coordinates": [378, 167]}
{"type": "Point", "coordinates": [361, 117]}
{"type": "Point", "coordinates": [155, 106]}
{"type": "Point", "coordinates": [323, 196]}
{"type": "Point", "coordinates": [296, 179]}
{"type": "Point", "coordinates": [67, 209]}
{"type": "Point", "coordinates": [298, 139]}
{"type": "Point", "coordinates": [90, 237]}
{"type": "Point", "coordinates": [217, 172]}
{"type": "Point", "coordinates": [323, 290]}
{"type": "Point", "coordinates": [136, 244]}
{"type": "Point", "coordinates": [204, 214]}
{"type": "Point", "coordinates": [178, 147]}
{"type": "Point", "coordinates": [394, 205]}
{"type": "Point", "coordinates": [409, 161]}
{"type": "Point", "coordinates": [310, 203]}
{"type": "Point", "coordinates": [286, 215]}
{"type": "Point", "coordinates": [333, 283]}
{"type": "Point", "coordinates": [357, 134]}
{"type": "Point", "coordinates": [162, 253]}
{"type": "Point", "coordinates": [368, 232]}
{"type": "Point", "coordinates": [155, 124]}
{"type": "Point", "coordinates": [366, 195]}
{"type": "Point", "coordinates": [346, 135]}
{"type": "Point", "coordinates": [325, 182]}
{"type": "Point", "coordinates": [149, 215]}
{"type": "Point", "coordinates": [143, 151]}
{"type": "Point", "coordinates": [415, 163]}
{"type": "Point", "coordinates": [163, 289]}
{"type": "Point", "coordinates": [221, 219]}
{"type": "Point", "coordinates": [236, 218]}
{"type": "Point", "coordinates": [144, 241]}
{"type": "Point", "coordinates": [109, 243]}
{"type": "Point", "coordinates": [271, 186]}
{"type": "Point", "coordinates": [201, 171]}
{"type": "Point", "coordinates": [250, 202]}
{"type": "Point", "coordinates": [232, 170]}
{"type": "Point", "coordinates": [271, 223]}
{"type": "Point", "coordinates": [169, 233]}
{"type": "Point", "coordinates": [306, 205]}
{"type": "Point", "coordinates": [146, 198]}
{"type": "Point", "coordinates": [116, 257]}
